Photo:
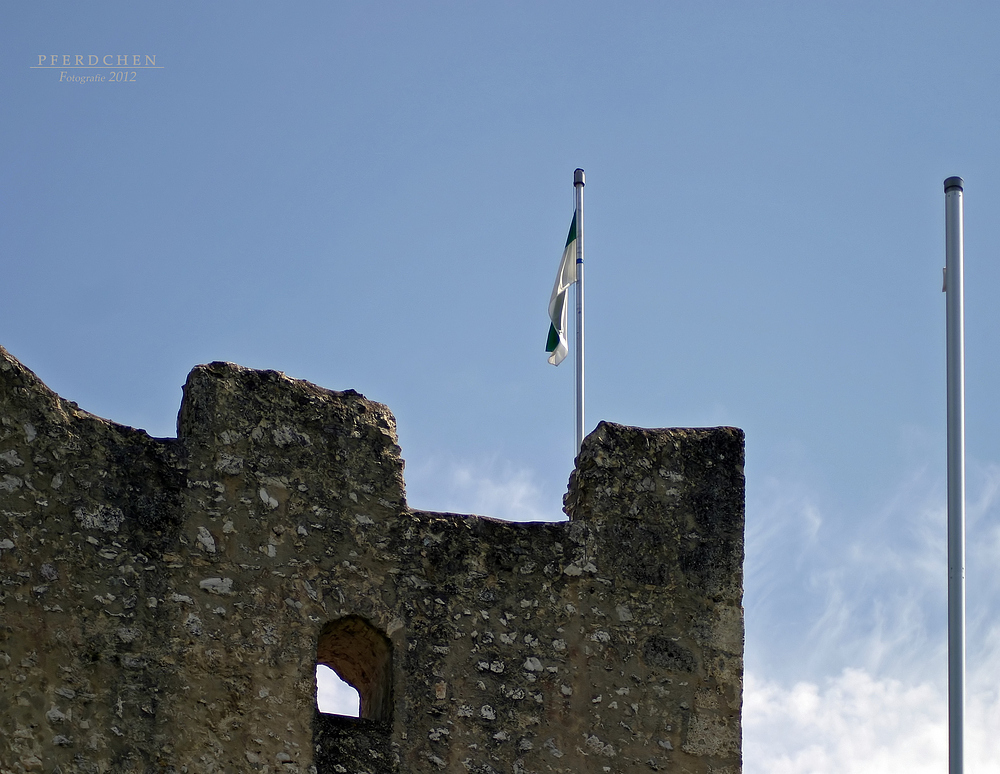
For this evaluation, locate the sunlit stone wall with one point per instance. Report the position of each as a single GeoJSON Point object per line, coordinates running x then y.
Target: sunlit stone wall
{"type": "Point", "coordinates": [162, 601]}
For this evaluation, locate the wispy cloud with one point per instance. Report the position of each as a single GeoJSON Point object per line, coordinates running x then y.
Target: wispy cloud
{"type": "Point", "coordinates": [487, 487]}
{"type": "Point", "coordinates": [856, 723]}
{"type": "Point", "coordinates": [863, 588]}
{"type": "Point", "coordinates": [857, 682]}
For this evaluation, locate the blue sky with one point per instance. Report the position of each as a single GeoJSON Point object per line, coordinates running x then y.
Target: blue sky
{"type": "Point", "coordinates": [375, 196]}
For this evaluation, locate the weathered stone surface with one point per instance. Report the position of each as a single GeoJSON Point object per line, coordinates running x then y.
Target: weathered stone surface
{"type": "Point", "coordinates": [164, 602]}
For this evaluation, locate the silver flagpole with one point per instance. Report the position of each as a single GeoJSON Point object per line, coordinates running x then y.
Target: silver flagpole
{"type": "Point", "coordinates": [578, 183]}
{"type": "Point", "coordinates": [954, 283]}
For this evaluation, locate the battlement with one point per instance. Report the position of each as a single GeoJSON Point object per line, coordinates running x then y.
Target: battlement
{"type": "Point", "coordinates": [165, 602]}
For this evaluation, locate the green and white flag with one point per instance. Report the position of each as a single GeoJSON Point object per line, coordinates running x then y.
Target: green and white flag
{"type": "Point", "coordinates": [557, 344]}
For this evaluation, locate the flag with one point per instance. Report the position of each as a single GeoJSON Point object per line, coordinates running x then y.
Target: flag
{"type": "Point", "coordinates": [557, 344]}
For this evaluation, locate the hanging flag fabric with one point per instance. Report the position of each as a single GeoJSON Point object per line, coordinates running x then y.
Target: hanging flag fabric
{"type": "Point", "coordinates": [556, 344]}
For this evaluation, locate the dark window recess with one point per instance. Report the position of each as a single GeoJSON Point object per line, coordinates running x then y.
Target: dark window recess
{"type": "Point", "coordinates": [362, 656]}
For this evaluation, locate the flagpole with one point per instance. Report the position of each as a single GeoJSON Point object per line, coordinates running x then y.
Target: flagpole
{"type": "Point", "coordinates": [954, 286]}
{"type": "Point", "coordinates": [578, 184]}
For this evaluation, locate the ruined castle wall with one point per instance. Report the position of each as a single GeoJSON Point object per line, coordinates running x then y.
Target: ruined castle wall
{"type": "Point", "coordinates": [163, 600]}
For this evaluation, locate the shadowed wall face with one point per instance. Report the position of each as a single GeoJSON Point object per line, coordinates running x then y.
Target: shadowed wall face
{"type": "Point", "coordinates": [164, 602]}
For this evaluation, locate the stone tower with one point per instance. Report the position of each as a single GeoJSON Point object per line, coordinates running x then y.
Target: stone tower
{"type": "Point", "coordinates": [164, 602]}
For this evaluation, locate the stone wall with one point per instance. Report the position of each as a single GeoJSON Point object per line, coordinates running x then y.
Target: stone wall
{"type": "Point", "coordinates": [164, 602]}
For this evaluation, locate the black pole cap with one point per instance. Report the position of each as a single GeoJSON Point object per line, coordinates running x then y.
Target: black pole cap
{"type": "Point", "coordinates": [954, 182]}
{"type": "Point", "coordinates": [578, 178]}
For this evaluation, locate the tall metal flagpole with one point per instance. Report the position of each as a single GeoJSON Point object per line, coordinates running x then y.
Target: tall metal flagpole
{"type": "Point", "coordinates": [578, 184]}
{"type": "Point", "coordinates": [954, 286]}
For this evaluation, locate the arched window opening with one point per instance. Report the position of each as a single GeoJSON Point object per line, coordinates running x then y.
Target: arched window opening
{"type": "Point", "coordinates": [361, 656]}
{"type": "Point", "coordinates": [334, 696]}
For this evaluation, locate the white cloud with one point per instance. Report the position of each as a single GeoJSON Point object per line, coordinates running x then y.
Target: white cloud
{"type": "Point", "coordinates": [856, 723]}
{"type": "Point", "coordinates": [846, 616]}
{"type": "Point", "coordinates": [494, 488]}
